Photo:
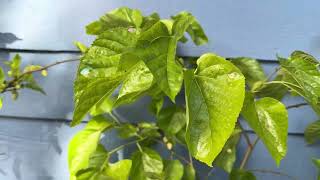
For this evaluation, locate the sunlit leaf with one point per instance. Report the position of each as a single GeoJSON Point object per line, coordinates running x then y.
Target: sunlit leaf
{"type": "Point", "coordinates": [269, 119]}
{"type": "Point", "coordinates": [83, 48]}
{"type": "Point", "coordinates": [84, 143]}
{"type": "Point", "coordinates": [96, 91]}
{"type": "Point", "coordinates": [186, 22]}
{"type": "Point", "coordinates": [210, 119]}
{"type": "Point", "coordinates": [302, 76]}
{"type": "Point", "coordinates": [160, 59]}
{"type": "Point", "coordinates": [120, 17]}
{"type": "Point", "coordinates": [146, 165]}
{"type": "Point", "coordinates": [137, 81]}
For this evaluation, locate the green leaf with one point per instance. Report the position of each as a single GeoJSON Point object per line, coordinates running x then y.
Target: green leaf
{"type": "Point", "coordinates": [276, 91]}
{"type": "Point", "coordinates": [158, 29]}
{"type": "Point", "coordinates": [160, 59]}
{"type": "Point", "coordinates": [186, 22]}
{"type": "Point", "coordinates": [238, 174]}
{"type": "Point", "coordinates": [210, 120]}
{"type": "Point", "coordinates": [146, 165]}
{"type": "Point", "coordinates": [120, 17]}
{"type": "Point", "coordinates": [32, 68]}
{"type": "Point", "coordinates": [113, 171]}
{"type": "Point", "coordinates": [189, 173]}
{"type": "Point", "coordinates": [269, 119]}
{"type": "Point", "coordinates": [251, 69]}
{"type": "Point", "coordinates": [14, 65]}
{"type": "Point", "coordinates": [302, 76]}
{"type": "Point", "coordinates": [304, 56]}
{"type": "Point", "coordinates": [173, 170]}
{"type": "Point", "coordinates": [84, 143]}
{"type": "Point", "coordinates": [316, 162]}
{"type": "Point", "coordinates": [148, 130]}
{"type": "Point", "coordinates": [156, 105]}
{"type": "Point", "coordinates": [98, 158]}
{"type": "Point", "coordinates": [150, 20]}
{"type": "Point", "coordinates": [31, 83]}
{"type": "Point", "coordinates": [2, 76]}
{"type": "Point", "coordinates": [312, 132]}
{"type": "Point", "coordinates": [83, 48]}
{"type": "Point", "coordinates": [127, 130]}
{"type": "Point", "coordinates": [227, 156]}
{"type": "Point", "coordinates": [104, 106]}
{"type": "Point", "coordinates": [119, 170]}
{"type": "Point", "coordinates": [108, 48]}
{"type": "Point", "coordinates": [1, 102]}
{"type": "Point", "coordinates": [136, 82]}
{"type": "Point", "coordinates": [100, 169]}
{"type": "Point", "coordinates": [96, 91]}
{"type": "Point", "coordinates": [171, 119]}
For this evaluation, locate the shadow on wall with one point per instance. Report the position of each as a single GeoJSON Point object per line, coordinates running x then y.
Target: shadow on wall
{"type": "Point", "coordinates": [7, 38]}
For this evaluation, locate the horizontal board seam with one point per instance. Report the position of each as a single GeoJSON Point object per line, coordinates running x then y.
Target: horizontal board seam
{"type": "Point", "coordinates": [47, 51]}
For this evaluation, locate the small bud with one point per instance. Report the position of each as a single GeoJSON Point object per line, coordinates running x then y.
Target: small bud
{"type": "Point", "coordinates": [18, 86]}
{"type": "Point", "coordinates": [44, 73]}
{"type": "Point", "coordinates": [169, 146]}
{"type": "Point", "coordinates": [229, 150]}
{"type": "Point", "coordinates": [165, 140]}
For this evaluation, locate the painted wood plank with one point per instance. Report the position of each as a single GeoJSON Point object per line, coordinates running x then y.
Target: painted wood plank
{"type": "Point", "coordinates": [235, 28]}
{"type": "Point", "coordinates": [37, 150]}
{"type": "Point", "coordinates": [58, 103]}
{"type": "Point", "coordinates": [34, 150]}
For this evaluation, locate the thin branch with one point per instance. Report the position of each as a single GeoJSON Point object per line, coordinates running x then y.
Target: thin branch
{"type": "Point", "coordinates": [11, 83]}
{"type": "Point", "coordinates": [297, 105]}
{"type": "Point", "coordinates": [246, 137]}
{"type": "Point", "coordinates": [49, 66]}
{"type": "Point", "coordinates": [248, 153]}
{"type": "Point", "coordinates": [174, 153]}
{"type": "Point", "coordinates": [190, 159]}
{"type": "Point", "coordinates": [114, 117]}
{"type": "Point", "coordinates": [272, 172]}
{"type": "Point", "coordinates": [124, 145]}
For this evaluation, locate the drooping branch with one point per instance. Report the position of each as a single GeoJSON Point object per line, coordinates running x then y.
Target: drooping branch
{"type": "Point", "coordinates": [10, 85]}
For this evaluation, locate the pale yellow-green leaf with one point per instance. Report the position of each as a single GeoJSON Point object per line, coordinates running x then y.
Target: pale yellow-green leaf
{"type": "Point", "coordinates": [268, 117]}
{"type": "Point", "coordinates": [214, 97]}
{"type": "Point", "coordinates": [84, 143]}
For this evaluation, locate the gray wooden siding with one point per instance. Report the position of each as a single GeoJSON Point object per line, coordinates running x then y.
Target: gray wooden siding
{"type": "Point", "coordinates": [33, 130]}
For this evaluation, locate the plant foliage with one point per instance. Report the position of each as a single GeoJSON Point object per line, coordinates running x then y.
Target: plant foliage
{"type": "Point", "coordinates": [134, 56]}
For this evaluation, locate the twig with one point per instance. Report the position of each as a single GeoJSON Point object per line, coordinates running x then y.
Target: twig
{"type": "Point", "coordinates": [115, 117]}
{"type": "Point", "coordinates": [272, 172]}
{"type": "Point", "coordinates": [246, 137]}
{"type": "Point", "coordinates": [248, 153]}
{"type": "Point", "coordinates": [124, 145]}
{"type": "Point", "coordinates": [297, 105]}
{"type": "Point", "coordinates": [10, 85]}
{"type": "Point", "coordinates": [174, 153]}
{"type": "Point", "coordinates": [49, 66]}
